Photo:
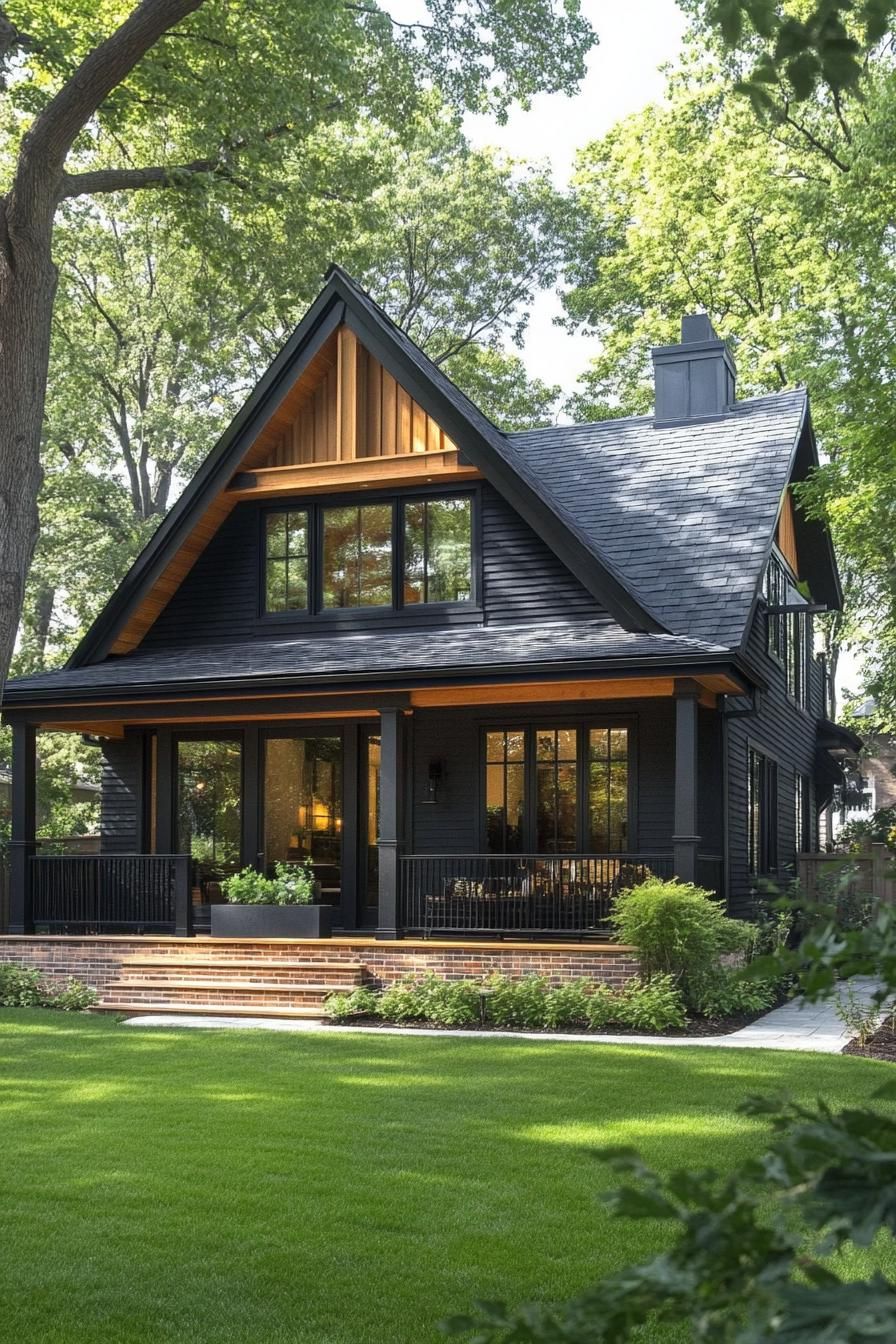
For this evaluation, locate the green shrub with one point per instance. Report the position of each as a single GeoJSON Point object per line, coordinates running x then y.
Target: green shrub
{"type": "Point", "coordinates": [21, 987]}
{"type": "Point", "coordinates": [454, 1003]}
{"type": "Point", "coordinates": [677, 929]}
{"type": "Point", "coordinates": [404, 1001]}
{"type": "Point", "coordinates": [76, 997]}
{"type": "Point", "coordinates": [292, 884]}
{"type": "Point", "coordinates": [361, 1001]}
{"type": "Point", "coordinates": [651, 1005]}
{"type": "Point", "coordinates": [602, 1007]}
{"type": "Point", "coordinates": [517, 1003]}
{"type": "Point", "coordinates": [567, 1005]}
{"type": "Point", "coordinates": [725, 993]}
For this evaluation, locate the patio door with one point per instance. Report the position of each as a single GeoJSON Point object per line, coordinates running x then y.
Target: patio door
{"type": "Point", "coordinates": [208, 820]}
{"type": "Point", "coordinates": [303, 806]}
{"type": "Point", "coordinates": [369, 829]}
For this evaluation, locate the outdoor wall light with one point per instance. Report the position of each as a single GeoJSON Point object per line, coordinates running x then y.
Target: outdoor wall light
{"type": "Point", "coordinates": [434, 778]}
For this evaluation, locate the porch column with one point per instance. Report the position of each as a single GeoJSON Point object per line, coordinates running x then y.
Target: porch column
{"type": "Point", "coordinates": [24, 825]}
{"type": "Point", "coordinates": [685, 838]}
{"type": "Point", "coordinates": [164, 792]}
{"type": "Point", "coordinates": [391, 780]}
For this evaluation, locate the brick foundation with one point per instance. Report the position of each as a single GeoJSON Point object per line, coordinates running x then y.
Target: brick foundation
{"type": "Point", "coordinates": [99, 961]}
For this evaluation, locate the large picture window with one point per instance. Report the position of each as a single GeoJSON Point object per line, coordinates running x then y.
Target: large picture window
{"type": "Point", "coordinates": [286, 560]}
{"type": "Point", "coordinates": [557, 790]}
{"type": "Point", "coordinates": [438, 554]}
{"type": "Point", "coordinates": [762, 813]}
{"type": "Point", "coordinates": [209, 803]}
{"type": "Point", "coordinates": [357, 556]}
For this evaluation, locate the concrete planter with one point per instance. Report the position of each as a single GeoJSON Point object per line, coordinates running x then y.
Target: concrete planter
{"type": "Point", "coordinates": [272, 921]}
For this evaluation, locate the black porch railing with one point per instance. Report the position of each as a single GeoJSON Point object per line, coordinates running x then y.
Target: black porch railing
{"type": "Point", "coordinates": [518, 893]}
{"type": "Point", "coordinates": [111, 893]}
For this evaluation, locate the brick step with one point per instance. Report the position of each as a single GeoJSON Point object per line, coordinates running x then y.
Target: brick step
{"type": "Point", "coordinates": [141, 1008]}
{"type": "Point", "coordinates": [230, 986]}
{"type": "Point", "coordinates": [323, 969]}
{"type": "Point", "coordinates": [284, 995]}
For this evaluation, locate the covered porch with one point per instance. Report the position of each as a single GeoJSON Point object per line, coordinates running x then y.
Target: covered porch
{"type": "Point", "coordinates": [496, 810]}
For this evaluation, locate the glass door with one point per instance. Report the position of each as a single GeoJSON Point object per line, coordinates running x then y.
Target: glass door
{"type": "Point", "coordinates": [303, 806]}
{"type": "Point", "coordinates": [209, 811]}
{"type": "Point", "coordinates": [369, 829]}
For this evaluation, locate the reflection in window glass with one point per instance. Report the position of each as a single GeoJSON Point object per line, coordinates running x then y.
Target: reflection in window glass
{"type": "Point", "coordinates": [357, 556]}
{"type": "Point", "coordinates": [505, 769]}
{"type": "Point", "coordinates": [286, 561]}
{"type": "Point", "coordinates": [556, 790]}
{"type": "Point", "coordinates": [438, 550]}
{"type": "Point", "coordinates": [608, 790]}
{"type": "Point", "coordinates": [303, 804]}
{"type": "Point", "coordinates": [209, 789]}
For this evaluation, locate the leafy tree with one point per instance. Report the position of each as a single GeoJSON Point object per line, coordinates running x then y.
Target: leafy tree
{"type": "Point", "coordinates": [753, 1254]}
{"type": "Point", "coordinates": [782, 231]}
{"type": "Point", "coordinates": [206, 97]}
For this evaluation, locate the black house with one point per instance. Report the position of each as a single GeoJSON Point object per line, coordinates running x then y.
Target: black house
{"type": "Point", "coordinates": [480, 680]}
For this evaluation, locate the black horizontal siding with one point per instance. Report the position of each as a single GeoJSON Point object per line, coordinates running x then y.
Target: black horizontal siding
{"type": "Point", "coordinates": [787, 734]}
{"type": "Point", "coordinates": [120, 800]}
{"type": "Point", "coordinates": [522, 581]}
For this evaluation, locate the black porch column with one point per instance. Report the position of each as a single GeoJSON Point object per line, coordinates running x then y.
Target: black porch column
{"type": "Point", "coordinates": [24, 824]}
{"type": "Point", "coordinates": [164, 792]}
{"type": "Point", "coordinates": [251, 840]}
{"type": "Point", "coordinates": [391, 783]}
{"type": "Point", "coordinates": [685, 838]}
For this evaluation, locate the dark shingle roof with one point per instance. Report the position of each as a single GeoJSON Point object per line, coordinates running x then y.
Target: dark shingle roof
{"type": "Point", "coordinates": [374, 655]}
{"type": "Point", "coordinates": [685, 513]}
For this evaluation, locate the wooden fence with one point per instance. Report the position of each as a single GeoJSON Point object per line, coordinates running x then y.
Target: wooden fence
{"type": "Point", "coordinates": [869, 873]}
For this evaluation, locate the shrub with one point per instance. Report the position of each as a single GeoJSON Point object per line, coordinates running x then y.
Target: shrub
{"type": "Point", "coordinates": [76, 997]}
{"type": "Point", "coordinates": [725, 993]}
{"type": "Point", "coordinates": [567, 1005]}
{"type": "Point", "coordinates": [860, 1017]}
{"type": "Point", "coordinates": [454, 1003]}
{"type": "Point", "coordinates": [403, 1001]}
{"type": "Point", "coordinates": [678, 929]}
{"type": "Point", "coordinates": [21, 987]}
{"type": "Point", "coordinates": [602, 1007]}
{"type": "Point", "coordinates": [361, 1001]}
{"type": "Point", "coordinates": [651, 1005]}
{"type": "Point", "coordinates": [292, 884]}
{"type": "Point", "coordinates": [517, 1003]}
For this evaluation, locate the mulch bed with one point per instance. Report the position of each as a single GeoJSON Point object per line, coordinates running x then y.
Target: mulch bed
{"type": "Point", "coordinates": [700, 1026]}
{"type": "Point", "coordinates": [881, 1046]}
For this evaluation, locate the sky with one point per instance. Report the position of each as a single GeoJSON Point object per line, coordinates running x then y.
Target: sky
{"type": "Point", "coordinates": [624, 73]}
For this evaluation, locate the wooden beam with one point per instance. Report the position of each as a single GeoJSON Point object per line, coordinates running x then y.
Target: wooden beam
{"type": "Point", "coordinates": [367, 472]}
{"type": "Point", "coordinates": [611, 688]}
{"type": "Point", "coordinates": [347, 396]}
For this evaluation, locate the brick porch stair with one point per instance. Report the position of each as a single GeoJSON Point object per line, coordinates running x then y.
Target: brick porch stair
{"type": "Point", "coordinates": [241, 986]}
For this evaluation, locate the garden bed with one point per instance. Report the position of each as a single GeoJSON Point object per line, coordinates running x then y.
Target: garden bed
{"type": "Point", "coordinates": [881, 1046]}
{"type": "Point", "coordinates": [701, 1026]}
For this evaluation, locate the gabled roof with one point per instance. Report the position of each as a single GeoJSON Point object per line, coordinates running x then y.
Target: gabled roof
{"type": "Point", "coordinates": [341, 300]}
{"type": "Point", "coordinates": [686, 513]}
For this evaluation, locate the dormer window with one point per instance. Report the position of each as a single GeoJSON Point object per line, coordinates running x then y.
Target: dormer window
{"type": "Point", "coordinates": [286, 560]}
{"type": "Point", "coordinates": [438, 550]}
{"type": "Point", "coordinates": [357, 556]}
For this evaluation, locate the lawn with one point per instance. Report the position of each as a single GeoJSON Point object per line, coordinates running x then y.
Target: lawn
{"type": "Point", "coordinates": [262, 1187]}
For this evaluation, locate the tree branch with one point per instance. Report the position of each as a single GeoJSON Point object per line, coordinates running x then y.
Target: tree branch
{"type": "Point", "coordinates": [104, 180]}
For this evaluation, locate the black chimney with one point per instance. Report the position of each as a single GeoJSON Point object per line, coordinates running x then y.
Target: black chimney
{"type": "Point", "coordinates": [695, 379]}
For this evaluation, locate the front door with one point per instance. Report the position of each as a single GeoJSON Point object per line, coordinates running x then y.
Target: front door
{"type": "Point", "coordinates": [303, 806]}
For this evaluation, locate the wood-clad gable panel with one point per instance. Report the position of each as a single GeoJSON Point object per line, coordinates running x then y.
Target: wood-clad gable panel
{"type": "Point", "coordinates": [786, 534]}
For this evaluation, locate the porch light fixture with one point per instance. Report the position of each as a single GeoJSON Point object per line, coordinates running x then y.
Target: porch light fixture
{"type": "Point", "coordinates": [435, 775]}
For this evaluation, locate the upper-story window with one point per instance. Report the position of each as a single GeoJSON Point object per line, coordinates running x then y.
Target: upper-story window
{"type": "Point", "coordinates": [357, 556]}
{"type": "Point", "coordinates": [286, 560]}
{"type": "Point", "coordinates": [384, 554]}
{"type": "Point", "coordinates": [438, 550]}
{"type": "Point", "coordinates": [789, 633]}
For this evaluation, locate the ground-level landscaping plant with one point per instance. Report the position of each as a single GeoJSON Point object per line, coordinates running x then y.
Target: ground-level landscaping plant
{"type": "Point", "coordinates": [292, 884]}
{"type": "Point", "coordinates": [25, 987]}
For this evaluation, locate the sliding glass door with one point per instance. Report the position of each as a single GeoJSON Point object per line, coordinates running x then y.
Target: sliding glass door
{"type": "Point", "coordinates": [209, 786]}
{"type": "Point", "coordinates": [303, 806]}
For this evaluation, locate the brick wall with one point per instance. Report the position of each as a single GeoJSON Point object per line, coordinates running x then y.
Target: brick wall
{"type": "Point", "coordinates": [98, 961]}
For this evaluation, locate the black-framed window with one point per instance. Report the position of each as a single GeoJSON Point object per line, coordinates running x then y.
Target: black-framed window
{"type": "Point", "coordinates": [505, 790]}
{"type": "Point", "coordinates": [557, 789]}
{"type": "Point", "coordinates": [788, 633]}
{"type": "Point", "coordinates": [762, 812]}
{"type": "Point", "coordinates": [356, 556]}
{"type": "Point", "coordinates": [438, 550]}
{"type": "Point", "coordinates": [286, 560]}
{"type": "Point", "coordinates": [209, 801]}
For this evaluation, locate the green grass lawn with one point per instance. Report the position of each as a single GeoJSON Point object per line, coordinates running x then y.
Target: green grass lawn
{"type": "Point", "coordinates": [264, 1187]}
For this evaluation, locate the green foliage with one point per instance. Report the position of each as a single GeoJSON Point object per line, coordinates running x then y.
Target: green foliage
{"type": "Point", "coordinates": [602, 1007]}
{"type": "Point", "coordinates": [678, 929]}
{"type": "Point", "coordinates": [879, 829]}
{"type": "Point", "coordinates": [726, 993]}
{"type": "Point", "coordinates": [567, 1006]}
{"type": "Point", "coordinates": [446, 1003]}
{"type": "Point", "coordinates": [361, 1002]}
{"type": "Point", "coordinates": [860, 1017]}
{"type": "Point", "coordinates": [24, 987]}
{"type": "Point", "coordinates": [651, 1005]}
{"type": "Point", "coordinates": [292, 884]}
{"type": "Point", "coordinates": [520, 1003]}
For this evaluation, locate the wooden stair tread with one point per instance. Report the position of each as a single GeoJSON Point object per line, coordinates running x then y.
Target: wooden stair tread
{"type": "Point", "coordinates": [210, 1009]}
{"type": "Point", "coordinates": [261, 986]}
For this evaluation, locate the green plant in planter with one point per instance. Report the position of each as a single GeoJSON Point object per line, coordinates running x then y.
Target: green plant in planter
{"type": "Point", "coordinates": [292, 884]}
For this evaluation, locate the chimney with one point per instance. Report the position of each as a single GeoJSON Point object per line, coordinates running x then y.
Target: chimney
{"type": "Point", "coordinates": [696, 379]}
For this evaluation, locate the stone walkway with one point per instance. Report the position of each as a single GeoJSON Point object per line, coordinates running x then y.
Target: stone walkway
{"type": "Point", "coordinates": [798, 1025]}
